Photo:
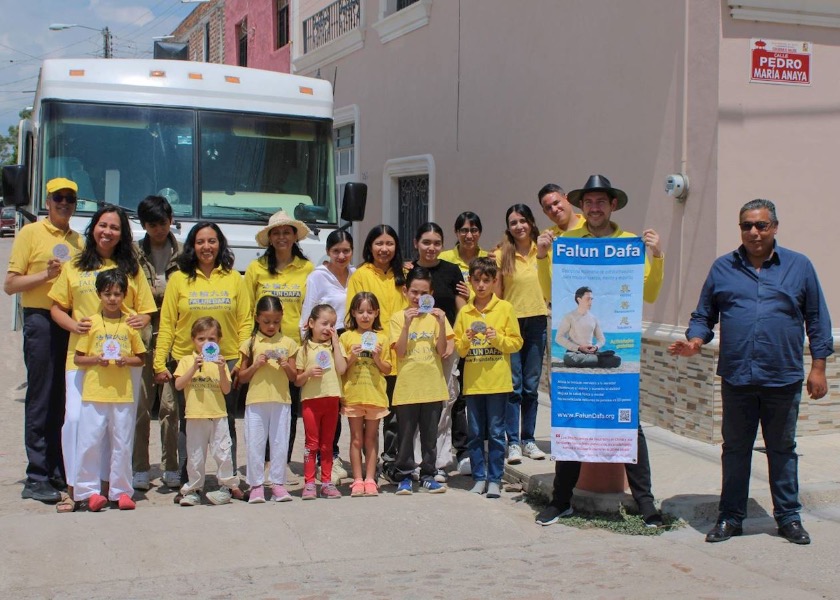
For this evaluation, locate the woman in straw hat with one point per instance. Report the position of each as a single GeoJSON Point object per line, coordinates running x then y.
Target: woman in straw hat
{"type": "Point", "coordinates": [282, 271]}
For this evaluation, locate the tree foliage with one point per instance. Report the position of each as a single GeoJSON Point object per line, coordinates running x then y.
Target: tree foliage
{"type": "Point", "coordinates": [8, 143]}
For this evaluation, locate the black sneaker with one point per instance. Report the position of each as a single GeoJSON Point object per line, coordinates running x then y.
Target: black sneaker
{"type": "Point", "coordinates": [551, 514]}
{"type": "Point", "coordinates": [654, 520]}
{"type": "Point", "coordinates": [41, 491]}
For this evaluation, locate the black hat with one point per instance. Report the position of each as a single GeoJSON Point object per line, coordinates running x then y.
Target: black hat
{"type": "Point", "coordinates": [598, 183]}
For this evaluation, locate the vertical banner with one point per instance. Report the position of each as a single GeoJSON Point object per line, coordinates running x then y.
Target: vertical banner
{"type": "Point", "coordinates": [596, 341]}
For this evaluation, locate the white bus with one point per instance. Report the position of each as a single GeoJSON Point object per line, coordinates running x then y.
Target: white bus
{"type": "Point", "coordinates": [226, 144]}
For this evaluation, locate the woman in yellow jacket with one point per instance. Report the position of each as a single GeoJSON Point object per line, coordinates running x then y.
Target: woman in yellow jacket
{"type": "Point", "coordinates": [519, 284]}
{"type": "Point", "coordinates": [382, 274]}
{"type": "Point", "coordinates": [205, 285]}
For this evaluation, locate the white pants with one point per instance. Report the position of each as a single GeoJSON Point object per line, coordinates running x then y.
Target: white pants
{"type": "Point", "coordinates": [214, 433]}
{"type": "Point", "coordinates": [70, 429]}
{"type": "Point", "coordinates": [267, 421]}
{"type": "Point", "coordinates": [103, 424]}
{"type": "Point", "coordinates": [444, 431]}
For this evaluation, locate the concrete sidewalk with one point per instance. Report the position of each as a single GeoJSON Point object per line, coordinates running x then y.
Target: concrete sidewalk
{"type": "Point", "coordinates": [687, 473]}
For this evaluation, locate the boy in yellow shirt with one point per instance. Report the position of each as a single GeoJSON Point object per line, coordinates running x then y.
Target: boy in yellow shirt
{"type": "Point", "coordinates": [420, 338]}
{"type": "Point", "coordinates": [486, 334]}
{"type": "Point", "coordinates": [108, 415]}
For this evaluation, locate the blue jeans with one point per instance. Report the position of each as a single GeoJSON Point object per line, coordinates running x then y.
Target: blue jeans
{"type": "Point", "coordinates": [526, 366]}
{"type": "Point", "coordinates": [486, 417]}
{"type": "Point", "coordinates": [777, 409]}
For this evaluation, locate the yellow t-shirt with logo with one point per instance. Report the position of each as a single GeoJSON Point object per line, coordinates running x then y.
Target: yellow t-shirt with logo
{"type": "Point", "coordinates": [487, 364]}
{"type": "Point", "coordinates": [112, 383]}
{"type": "Point", "coordinates": [203, 394]}
{"type": "Point", "coordinates": [221, 296]}
{"type": "Point", "coordinates": [34, 245]}
{"type": "Point", "coordinates": [420, 372]}
{"type": "Point", "coordinates": [270, 382]}
{"type": "Point", "coordinates": [329, 384]}
{"type": "Point", "coordinates": [522, 288]}
{"type": "Point", "coordinates": [75, 290]}
{"type": "Point", "coordinates": [367, 278]}
{"type": "Point", "coordinates": [289, 285]}
{"type": "Point", "coordinates": [364, 383]}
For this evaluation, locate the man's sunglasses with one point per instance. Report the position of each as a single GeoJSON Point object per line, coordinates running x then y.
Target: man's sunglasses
{"type": "Point", "coordinates": [68, 198]}
{"type": "Point", "coordinates": [760, 225]}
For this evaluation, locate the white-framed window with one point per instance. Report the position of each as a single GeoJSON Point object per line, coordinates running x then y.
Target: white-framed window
{"type": "Point", "coordinates": [346, 146]}
{"type": "Point", "coordinates": [396, 168]}
{"type": "Point", "coordinates": [399, 17]}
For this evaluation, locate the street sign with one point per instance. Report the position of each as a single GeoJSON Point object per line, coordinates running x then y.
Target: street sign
{"type": "Point", "coordinates": [781, 62]}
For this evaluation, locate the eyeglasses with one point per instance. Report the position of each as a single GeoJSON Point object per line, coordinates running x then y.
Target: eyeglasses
{"type": "Point", "coordinates": [68, 198]}
{"type": "Point", "coordinates": [760, 225]}
{"type": "Point", "coordinates": [466, 230]}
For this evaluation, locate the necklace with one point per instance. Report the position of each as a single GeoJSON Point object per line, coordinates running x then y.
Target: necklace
{"type": "Point", "coordinates": [108, 336]}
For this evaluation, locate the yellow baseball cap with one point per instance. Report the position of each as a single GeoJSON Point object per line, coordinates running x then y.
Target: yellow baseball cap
{"type": "Point", "coordinates": [61, 183]}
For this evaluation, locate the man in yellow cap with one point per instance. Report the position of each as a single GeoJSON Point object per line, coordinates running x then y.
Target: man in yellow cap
{"type": "Point", "coordinates": [39, 251]}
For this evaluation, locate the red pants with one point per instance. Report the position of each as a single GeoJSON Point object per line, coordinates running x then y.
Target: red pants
{"type": "Point", "coordinates": [320, 416]}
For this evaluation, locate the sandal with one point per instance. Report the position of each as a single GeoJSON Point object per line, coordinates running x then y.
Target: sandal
{"type": "Point", "coordinates": [66, 504]}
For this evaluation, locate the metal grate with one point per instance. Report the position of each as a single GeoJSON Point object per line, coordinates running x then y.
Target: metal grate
{"type": "Point", "coordinates": [340, 17]}
{"type": "Point", "coordinates": [413, 210]}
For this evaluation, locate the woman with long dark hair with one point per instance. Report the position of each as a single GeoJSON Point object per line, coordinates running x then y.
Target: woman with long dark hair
{"type": "Point", "coordinates": [519, 284]}
{"type": "Point", "coordinates": [382, 274]}
{"type": "Point", "coordinates": [108, 245]}
{"type": "Point", "coordinates": [206, 285]}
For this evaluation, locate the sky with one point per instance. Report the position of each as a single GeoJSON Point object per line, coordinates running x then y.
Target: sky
{"type": "Point", "coordinates": [25, 38]}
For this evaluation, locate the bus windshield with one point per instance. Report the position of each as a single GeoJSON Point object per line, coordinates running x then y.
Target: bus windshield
{"type": "Point", "coordinates": [220, 166]}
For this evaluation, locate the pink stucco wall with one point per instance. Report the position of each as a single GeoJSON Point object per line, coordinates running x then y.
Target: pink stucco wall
{"type": "Point", "coordinates": [261, 18]}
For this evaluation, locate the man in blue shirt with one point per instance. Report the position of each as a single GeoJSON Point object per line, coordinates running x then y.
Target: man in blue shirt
{"type": "Point", "coordinates": [762, 294]}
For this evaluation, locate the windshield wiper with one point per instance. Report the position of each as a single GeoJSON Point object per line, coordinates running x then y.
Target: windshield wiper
{"type": "Point", "coordinates": [245, 209]}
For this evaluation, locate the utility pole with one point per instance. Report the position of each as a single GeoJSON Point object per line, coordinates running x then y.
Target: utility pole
{"type": "Point", "coordinates": [106, 43]}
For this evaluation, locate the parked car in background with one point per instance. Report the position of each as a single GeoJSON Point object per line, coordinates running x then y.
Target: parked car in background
{"type": "Point", "coordinates": [7, 220]}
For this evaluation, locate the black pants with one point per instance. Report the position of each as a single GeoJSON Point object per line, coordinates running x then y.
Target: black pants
{"type": "Point", "coordinates": [389, 429]}
{"type": "Point", "coordinates": [460, 430]}
{"type": "Point", "coordinates": [44, 353]}
{"type": "Point", "coordinates": [410, 418]}
{"type": "Point", "coordinates": [566, 474]}
{"type": "Point", "coordinates": [231, 401]}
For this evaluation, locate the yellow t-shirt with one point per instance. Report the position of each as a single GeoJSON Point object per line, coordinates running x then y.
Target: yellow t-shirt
{"type": "Point", "coordinates": [367, 278]}
{"type": "Point", "coordinates": [289, 285]}
{"type": "Point", "coordinates": [203, 394]}
{"type": "Point", "coordinates": [329, 384]}
{"type": "Point", "coordinates": [364, 383]}
{"type": "Point", "coordinates": [76, 290]}
{"type": "Point", "coordinates": [544, 264]}
{"type": "Point", "coordinates": [454, 257]}
{"type": "Point", "coordinates": [270, 382]}
{"type": "Point", "coordinates": [221, 296]}
{"type": "Point", "coordinates": [558, 232]}
{"type": "Point", "coordinates": [420, 372]}
{"type": "Point", "coordinates": [487, 364]}
{"type": "Point", "coordinates": [522, 288]}
{"type": "Point", "coordinates": [34, 245]}
{"type": "Point", "coordinates": [112, 383]}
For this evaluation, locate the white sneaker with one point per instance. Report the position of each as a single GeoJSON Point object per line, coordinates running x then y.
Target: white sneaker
{"type": "Point", "coordinates": [220, 496]}
{"type": "Point", "coordinates": [440, 476]}
{"type": "Point", "coordinates": [141, 481]}
{"type": "Point", "coordinates": [532, 451]}
{"type": "Point", "coordinates": [514, 454]}
{"type": "Point", "coordinates": [171, 479]}
{"type": "Point", "coordinates": [464, 466]}
{"type": "Point", "coordinates": [338, 470]}
{"type": "Point", "coordinates": [191, 499]}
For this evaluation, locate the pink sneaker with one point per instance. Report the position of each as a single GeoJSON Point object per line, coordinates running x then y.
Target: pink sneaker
{"type": "Point", "coordinates": [328, 490]}
{"type": "Point", "coordinates": [126, 503]}
{"type": "Point", "coordinates": [257, 495]}
{"type": "Point", "coordinates": [357, 488]}
{"type": "Point", "coordinates": [309, 492]}
{"type": "Point", "coordinates": [280, 494]}
{"type": "Point", "coordinates": [371, 489]}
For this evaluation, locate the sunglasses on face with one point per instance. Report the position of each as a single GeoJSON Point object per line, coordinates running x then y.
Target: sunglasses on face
{"type": "Point", "coordinates": [68, 198]}
{"type": "Point", "coordinates": [760, 225]}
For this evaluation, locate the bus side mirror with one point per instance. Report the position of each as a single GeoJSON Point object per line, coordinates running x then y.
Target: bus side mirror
{"type": "Point", "coordinates": [353, 203]}
{"type": "Point", "coordinates": [16, 185]}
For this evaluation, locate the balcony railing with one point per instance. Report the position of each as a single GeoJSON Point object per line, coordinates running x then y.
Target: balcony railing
{"type": "Point", "coordinates": [330, 23]}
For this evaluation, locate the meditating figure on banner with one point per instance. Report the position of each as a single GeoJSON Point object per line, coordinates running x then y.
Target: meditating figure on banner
{"type": "Point", "coordinates": [576, 332]}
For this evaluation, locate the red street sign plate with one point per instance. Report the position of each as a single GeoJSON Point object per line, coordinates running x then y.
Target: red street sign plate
{"type": "Point", "coordinates": [780, 61]}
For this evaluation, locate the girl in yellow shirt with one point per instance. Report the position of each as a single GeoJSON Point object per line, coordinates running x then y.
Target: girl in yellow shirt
{"type": "Point", "coordinates": [320, 365]}
{"type": "Point", "coordinates": [519, 284]}
{"type": "Point", "coordinates": [365, 400]}
{"type": "Point", "coordinates": [268, 364]}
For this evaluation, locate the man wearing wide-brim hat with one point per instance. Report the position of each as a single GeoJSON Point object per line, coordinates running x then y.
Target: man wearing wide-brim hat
{"type": "Point", "coordinates": [598, 199]}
